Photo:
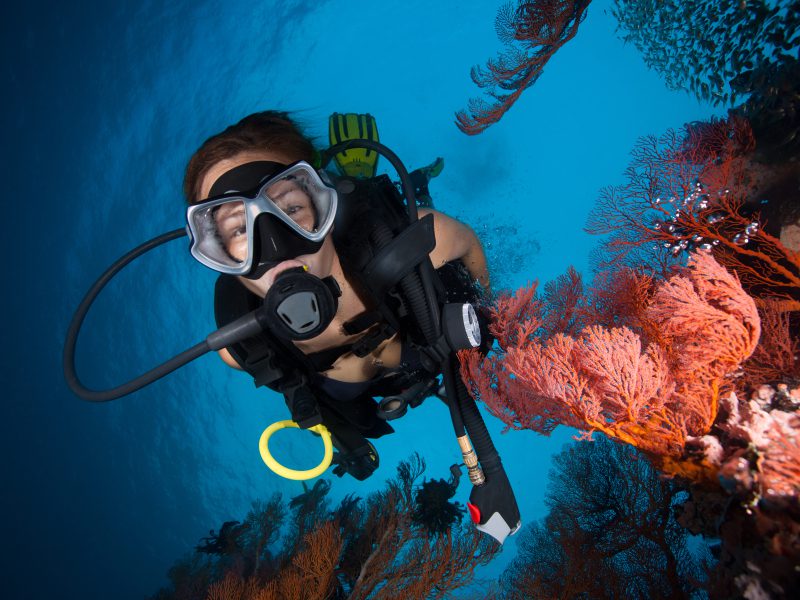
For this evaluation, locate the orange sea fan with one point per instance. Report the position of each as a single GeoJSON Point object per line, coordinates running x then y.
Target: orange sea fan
{"type": "Point", "coordinates": [711, 327]}
{"type": "Point", "coordinates": [649, 394]}
{"type": "Point", "coordinates": [629, 382]}
{"type": "Point", "coordinates": [515, 318]}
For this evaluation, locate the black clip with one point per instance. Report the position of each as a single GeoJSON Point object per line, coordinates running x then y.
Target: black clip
{"type": "Point", "coordinates": [434, 355]}
{"type": "Point", "coordinates": [372, 340]}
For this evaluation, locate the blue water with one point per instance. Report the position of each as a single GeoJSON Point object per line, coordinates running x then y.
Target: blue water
{"type": "Point", "coordinates": [103, 106]}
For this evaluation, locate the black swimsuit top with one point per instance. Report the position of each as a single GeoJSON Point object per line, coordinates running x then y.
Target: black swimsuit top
{"type": "Point", "coordinates": [350, 390]}
{"type": "Point", "coordinates": [324, 359]}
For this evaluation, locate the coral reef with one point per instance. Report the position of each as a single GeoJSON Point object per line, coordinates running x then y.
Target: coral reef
{"type": "Point", "coordinates": [396, 543]}
{"type": "Point", "coordinates": [649, 386]}
{"type": "Point", "coordinates": [702, 188]}
{"type": "Point", "coordinates": [532, 33]}
{"type": "Point", "coordinates": [672, 367]}
{"type": "Point", "coordinates": [686, 345]}
{"type": "Point", "coordinates": [756, 514]}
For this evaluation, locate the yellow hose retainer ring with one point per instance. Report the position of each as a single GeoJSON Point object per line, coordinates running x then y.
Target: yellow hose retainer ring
{"type": "Point", "coordinates": [274, 465]}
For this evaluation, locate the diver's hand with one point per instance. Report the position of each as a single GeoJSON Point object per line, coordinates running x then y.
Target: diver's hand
{"type": "Point", "coordinates": [270, 276]}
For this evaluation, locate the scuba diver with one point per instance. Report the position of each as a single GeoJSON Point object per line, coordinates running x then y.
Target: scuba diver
{"type": "Point", "coordinates": [333, 292]}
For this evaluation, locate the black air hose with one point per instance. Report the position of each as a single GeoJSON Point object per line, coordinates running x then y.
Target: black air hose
{"type": "Point", "coordinates": [414, 291]}
{"type": "Point", "coordinates": [71, 375]}
{"type": "Point", "coordinates": [411, 286]}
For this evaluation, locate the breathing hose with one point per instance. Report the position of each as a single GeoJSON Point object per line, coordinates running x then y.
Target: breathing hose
{"type": "Point", "coordinates": [244, 327]}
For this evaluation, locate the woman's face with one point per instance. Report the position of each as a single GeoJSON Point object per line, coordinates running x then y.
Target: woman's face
{"type": "Point", "coordinates": [289, 196]}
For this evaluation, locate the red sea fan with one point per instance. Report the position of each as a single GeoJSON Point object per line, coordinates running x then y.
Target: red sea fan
{"type": "Point", "coordinates": [716, 139]}
{"type": "Point", "coordinates": [650, 394]}
{"type": "Point", "coordinates": [775, 356]}
{"type": "Point", "coordinates": [698, 189]}
{"type": "Point", "coordinates": [533, 32]}
{"type": "Point", "coordinates": [711, 326]}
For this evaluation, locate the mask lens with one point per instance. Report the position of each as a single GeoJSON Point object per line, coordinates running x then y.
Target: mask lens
{"type": "Point", "coordinates": [298, 196]}
{"type": "Point", "coordinates": [289, 215]}
{"type": "Point", "coordinates": [223, 232]}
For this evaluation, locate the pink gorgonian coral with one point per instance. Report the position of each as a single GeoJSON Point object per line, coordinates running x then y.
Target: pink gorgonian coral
{"type": "Point", "coordinates": [651, 392]}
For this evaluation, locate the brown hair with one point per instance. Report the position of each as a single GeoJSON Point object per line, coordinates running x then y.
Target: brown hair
{"type": "Point", "coordinates": [267, 130]}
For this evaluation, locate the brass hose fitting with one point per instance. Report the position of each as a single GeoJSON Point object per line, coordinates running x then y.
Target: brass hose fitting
{"type": "Point", "coordinates": [476, 476]}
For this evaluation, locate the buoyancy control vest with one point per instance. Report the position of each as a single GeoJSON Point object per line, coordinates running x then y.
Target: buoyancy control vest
{"type": "Point", "coordinates": [376, 247]}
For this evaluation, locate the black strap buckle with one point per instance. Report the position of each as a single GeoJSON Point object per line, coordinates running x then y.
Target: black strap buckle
{"type": "Point", "coordinates": [372, 340]}
{"type": "Point", "coordinates": [360, 462]}
{"type": "Point", "coordinates": [434, 355]}
{"type": "Point", "coordinates": [361, 322]}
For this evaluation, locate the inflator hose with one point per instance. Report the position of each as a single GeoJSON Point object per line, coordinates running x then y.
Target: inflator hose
{"type": "Point", "coordinates": [411, 286]}
{"type": "Point", "coordinates": [476, 427]}
{"type": "Point", "coordinates": [80, 314]}
{"type": "Point", "coordinates": [414, 292]}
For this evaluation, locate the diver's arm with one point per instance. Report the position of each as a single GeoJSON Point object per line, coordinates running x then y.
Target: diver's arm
{"type": "Point", "coordinates": [454, 241]}
{"type": "Point", "coordinates": [228, 359]}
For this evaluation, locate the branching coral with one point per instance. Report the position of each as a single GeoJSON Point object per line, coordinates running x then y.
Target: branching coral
{"type": "Point", "coordinates": [311, 573]}
{"type": "Point", "coordinates": [695, 190]}
{"type": "Point", "coordinates": [654, 367]}
{"type": "Point", "coordinates": [361, 549]}
{"type": "Point", "coordinates": [702, 326]}
{"type": "Point", "coordinates": [400, 558]}
{"type": "Point", "coordinates": [612, 513]}
{"type": "Point", "coordinates": [532, 32]}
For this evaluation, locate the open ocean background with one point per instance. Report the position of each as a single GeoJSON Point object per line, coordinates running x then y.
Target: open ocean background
{"type": "Point", "coordinates": [104, 103]}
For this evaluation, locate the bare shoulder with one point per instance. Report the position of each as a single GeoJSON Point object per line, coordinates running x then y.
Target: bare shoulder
{"type": "Point", "coordinates": [453, 238]}
{"type": "Point", "coordinates": [440, 219]}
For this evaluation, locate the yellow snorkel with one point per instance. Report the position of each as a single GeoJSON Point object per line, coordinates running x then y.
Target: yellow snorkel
{"type": "Point", "coordinates": [279, 469]}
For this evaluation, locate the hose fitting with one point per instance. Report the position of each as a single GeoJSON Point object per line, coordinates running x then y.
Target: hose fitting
{"type": "Point", "coordinates": [476, 476]}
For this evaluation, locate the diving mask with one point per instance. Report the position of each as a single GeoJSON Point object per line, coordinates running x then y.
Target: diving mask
{"type": "Point", "coordinates": [286, 213]}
